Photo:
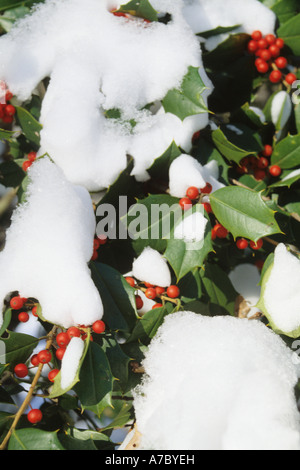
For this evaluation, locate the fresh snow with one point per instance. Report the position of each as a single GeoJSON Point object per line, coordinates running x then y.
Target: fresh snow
{"type": "Point", "coordinates": [70, 362]}
{"type": "Point", "coordinates": [217, 383]}
{"type": "Point", "coordinates": [98, 62]}
{"type": "Point", "coordinates": [152, 267]}
{"type": "Point", "coordinates": [281, 295]}
{"type": "Point", "coordinates": [191, 228]}
{"type": "Point", "coordinates": [48, 246]}
{"type": "Point", "coordinates": [281, 109]}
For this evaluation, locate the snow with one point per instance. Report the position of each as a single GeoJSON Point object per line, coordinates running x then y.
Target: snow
{"type": "Point", "coordinates": [191, 228]}
{"type": "Point", "coordinates": [245, 279]}
{"type": "Point", "coordinates": [48, 246]}
{"type": "Point", "coordinates": [152, 267]}
{"type": "Point", "coordinates": [205, 15]}
{"type": "Point", "coordinates": [217, 383]}
{"type": "Point", "coordinates": [70, 362]}
{"type": "Point", "coordinates": [90, 75]}
{"type": "Point", "coordinates": [281, 109]}
{"type": "Point", "coordinates": [185, 171]}
{"type": "Point", "coordinates": [281, 295]}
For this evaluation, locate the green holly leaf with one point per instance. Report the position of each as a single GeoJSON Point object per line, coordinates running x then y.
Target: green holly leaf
{"type": "Point", "coordinates": [187, 100]}
{"type": "Point", "coordinates": [34, 439]}
{"type": "Point", "coordinates": [140, 8]}
{"type": "Point", "coordinates": [235, 146]}
{"type": "Point", "coordinates": [290, 33]}
{"type": "Point", "coordinates": [30, 126]}
{"type": "Point", "coordinates": [219, 292]}
{"type": "Point", "coordinates": [18, 347]}
{"type": "Point", "coordinates": [286, 153]}
{"type": "Point", "coordinates": [244, 213]}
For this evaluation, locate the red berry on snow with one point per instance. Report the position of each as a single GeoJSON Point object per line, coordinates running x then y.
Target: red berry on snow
{"type": "Point", "coordinates": [192, 192]}
{"type": "Point", "coordinates": [35, 416]}
{"type": "Point", "coordinates": [16, 303]}
{"type": "Point", "coordinates": [21, 370]}
{"type": "Point", "coordinates": [23, 317]}
{"type": "Point", "coordinates": [31, 156]}
{"type": "Point", "coordinates": [26, 165]}
{"type": "Point", "coordinates": [99, 327]}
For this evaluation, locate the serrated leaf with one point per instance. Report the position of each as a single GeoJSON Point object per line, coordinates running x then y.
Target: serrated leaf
{"type": "Point", "coordinates": [187, 100]}
{"type": "Point", "coordinates": [286, 9]}
{"type": "Point", "coordinates": [147, 326]}
{"type": "Point", "coordinates": [235, 147]}
{"type": "Point", "coordinates": [161, 165]}
{"type": "Point", "coordinates": [286, 153]}
{"type": "Point", "coordinates": [30, 126]}
{"type": "Point", "coordinates": [34, 439]}
{"type": "Point", "coordinates": [243, 213]}
{"type": "Point", "coordinates": [216, 31]}
{"type": "Point", "coordinates": [18, 347]}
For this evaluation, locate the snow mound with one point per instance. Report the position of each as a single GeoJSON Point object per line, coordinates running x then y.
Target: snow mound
{"type": "Point", "coordinates": [48, 246]}
{"type": "Point", "coordinates": [151, 267]}
{"type": "Point", "coordinates": [98, 63]}
{"type": "Point", "coordinates": [212, 383]}
{"type": "Point", "coordinates": [70, 362]}
{"type": "Point", "coordinates": [191, 228]}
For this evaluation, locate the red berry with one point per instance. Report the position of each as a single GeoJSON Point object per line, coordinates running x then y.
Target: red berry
{"type": "Point", "coordinates": [279, 43]}
{"type": "Point", "coordinates": [270, 38]}
{"type": "Point", "coordinates": [275, 76]}
{"type": "Point", "coordinates": [263, 163]}
{"type": "Point", "coordinates": [16, 303]}
{"type": "Point", "coordinates": [150, 293]}
{"type": "Point", "coordinates": [23, 317]}
{"type": "Point", "coordinates": [268, 150]}
{"type": "Point", "coordinates": [31, 156]}
{"type": "Point", "coordinates": [257, 35]}
{"type": "Point", "coordinates": [62, 339]}
{"type": "Point", "coordinates": [130, 281]}
{"type": "Point", "coordinates": [242, 244]}
{"type": "Point", "coordinates": [147, 284]}
{"type": "Point", "coordinates": [119, 13]}
{"type": "Point", "coordinates": [26, 165]}
{"type": "Point", "coordinates": [7, 119]}
{"type": "Point", "coordinates": [8, 96]}
{"type": "Point", "coordinates": [95, 256]}
{"type": "Point", "coordinates": [185, 203]}
{"type": "Point", "coordinates": [96, 244]}
{"type": "Point", "coordinates": [102, 239]}
{"type": "Point", "coordinates": [258, 245]}
{"type": "Point", "coordinates": [173, 292]}
{"type": "Point", "coordinates": [207, 207]}
{"type": "Point", "coordinates": [35, 416]}
{"type": "Point", "coordinates": [262, 43]}
{"type": "Point", "coordinates": [252, 46]}
{"type": "Point", "coordinates": [159, 290]}
{"type": "Point", "coordinates": [220, 231]}
{"type": "Point", "coordinates": [73, 332]}
{"type": "Point", "coordinates": [98, 327]}
{"type": "Point", "coordinates": [44, 356]}
{"type": "Point", "coordinates": [192, 192]}
{"type": "Point", "coordinates": [60, 353]}
{"type": "Point", "coordinates": [265, 55]}
{"type": "Point", "coordinates": [207, 189]}
{"type": "Point", "coordinates": [52, 374]}
{"type": "Point", "coordinates": [260, 175]}
{"type": "Point", "coordinates": [10, 110]}
{"type": "Point", "coordinates": [274, 50]}
{"type": "Point", "coordinates": [281, 62]}
{"type": "Point", "coordinates": [263, 67]}
{"type": "Point", "coordinates": [157, 306]}
{"type": "Point", "coordinates": [275, 171]}
{"type": "Point", "coordinates": [35, 360]}
{"type": "Point", "coordinates": [21, 370]}
{"type": "Point", "coordinates": [139, 302]}
{"type": "Point", "coordinates": [290, 78]}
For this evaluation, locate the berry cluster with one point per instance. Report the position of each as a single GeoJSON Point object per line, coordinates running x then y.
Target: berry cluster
{"type": "Point", "coordinates": [193, 196]}
{"type": "Point", "coordinates": [45, 356]}
{"type": "Point", "coordinates": [151, 292]}
{"type": "Point", "coordinates": [260, 165]}
{"type": "Point", "coordinates": [7, 110]}
{"type": "Point", "coordinates": [23, 307]}
{"type": "Point", "coordinates": [98, 242]}
{"type": "Point", "coordinates": [268, 52]}
{"type": "Point", "coordinates": [31, 157]}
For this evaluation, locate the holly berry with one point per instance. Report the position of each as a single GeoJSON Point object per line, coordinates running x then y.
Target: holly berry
{"type": "Point", "coordinates": [263, 163]}
{"type": "Point", "coordinates": [35, 360]}
{"type": "Point", "coordinates": [150, 293]}
{"type": "Point", "coordinates": [10, 110]}
{"type": "Point", "coordinates": [207, 189]}
{"type": "Point", "coordinates": [271, 39]}
{"type": "Point", "coordinates": [31, 156]}
{"type": "Point", "coordinates": [26, 165]}
{"type": "Point", "coordinates": [21, 370]}
{"type": "Point", "coordinates": [258, 245]}
{"type": "Point", "coordinates": [242, 244]}
{"type": "Point", "coordinates": [8, 96]}
{"type": "Point", "coordinates": [281, 62]}
{"type": "Point", "coordinates": [279, 43]}
{"type": "Point", "coordinates": [262, 67]}
{"type": "Point", "coordinates": [44, 356]}
{"type": "Point", "coordinates": [34, 311]}
{"type": "Point", "coordinates": [252, 46]}
{"type": "Point", "coordinates": [96, 244]}
{"type": "Point", "coordinates": [275, 171]}
{"type": "Point", "coordinates": [62, 339]}
{"type": "Point", "coordinates": [275, 76]}
{"type": "Point", "coordinates": [207, 207]}
{"type": "Point", "coordinates": [52, 374]}
{"type": "Point", "coordinates": [260, 175]}
{"type": "Point", "coordinates": [265, 55]}
{"type": "Point", "coordinates": [173, 292]}
{"type": "Point", "coordinates": [17, 303]}
{"type": "Point", "coordinates": [102, 239]}
{"type": "Point", "coordinates": [268, 150]}
{"type": "Point", "coordinates": [130, 281]}
{"type": "Point", "coordinates": [159, 290]}
{"type": "Point", "coordinates": [157, 306]}
{"type": "Point", "coordinates": [290, 78]}
{"type": "Point", "coordinates": [139, 302]}
{"type": "Point", "coordinates": [192, 192]}
{"type": "Point", "coordinates": [99, 327]}
{"type": "Point", "coordinates": [73, 332]}
{"type": "Point", "coordinates": [256, 35]}
{"type": "Point", "coordinates": [185, 203]}
{"type": "Point", "coordinates": [220, 231]}
{"type": "Point", "coordinates": [274, 50]}
{"type": "Point", "coordinates": [262, 43]}
{"type": "Point", "coordinates": [35, 416]}
{"type": "Point", "coordinates": [23, 317]}
{"type": "Point", "coordinates": [59, 353]}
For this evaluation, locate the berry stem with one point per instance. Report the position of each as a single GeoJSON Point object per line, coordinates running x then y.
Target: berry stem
{"type": "Point", "coordinates": [30, 393]}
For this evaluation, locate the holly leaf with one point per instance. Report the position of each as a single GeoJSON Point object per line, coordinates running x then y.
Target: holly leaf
{"type": "Point", "coordinates": [147, 326]}
{"type": "Point", "coordinates": [140, 8]}
{"type": "Point", "coordinates": [286, 153]}
{"type": "Point", "coordinates": [18, 347]}
{"type": "Point", "coordinates": [30, 126]}
{"type": "Point", "coordinates": [34, 439]}
{"type": "Point", "coordinates": [220, 293]}
{"type": "Point", "coordinates": [244, 213]}
{"type": "Point", "coordinates": [187, 100]}
{"type": "Point", "coordinates": [290, 33]}
{"type": "Point", "coordinates": [235, 146]}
